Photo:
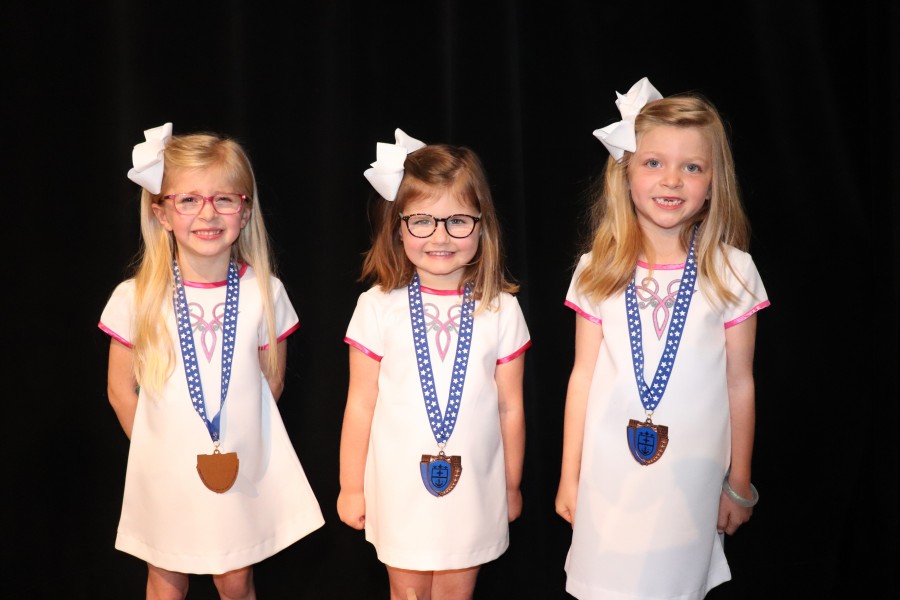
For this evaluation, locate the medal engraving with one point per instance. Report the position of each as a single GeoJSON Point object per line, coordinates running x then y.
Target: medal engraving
{"type": "Point", "coordinates": [218, 471]}
{"type": "Point", "coordinates": [647, 441]}
{"type": "Point", "coordinates": [440, 473]}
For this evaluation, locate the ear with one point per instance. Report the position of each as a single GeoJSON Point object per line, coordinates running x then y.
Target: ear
{"type": "Point", "coordinates": [245, 216]}
{"type": "Point", "coordinates": [159, 211]}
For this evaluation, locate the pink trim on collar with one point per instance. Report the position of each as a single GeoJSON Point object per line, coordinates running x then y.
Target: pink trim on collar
{"type": "Point", "coordinates": [428, 290]}
{"type": "Point", "coordinates": [214, 284]}
{"type": "Point", "coordinates": [670, 267]}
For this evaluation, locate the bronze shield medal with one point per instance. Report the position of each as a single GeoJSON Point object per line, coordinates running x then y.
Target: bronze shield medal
{"type": "Point", "coordinates": [440, 473]}
{"type": "Point", "coordinates": [647, 441]}
{"type": "Point", "coordinates": [218, 471]}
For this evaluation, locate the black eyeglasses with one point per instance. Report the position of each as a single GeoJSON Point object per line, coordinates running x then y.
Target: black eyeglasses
{"type": "Point", "coordinates": [422, 225]}
{"type": "Point", "coordinates": [192, 204]}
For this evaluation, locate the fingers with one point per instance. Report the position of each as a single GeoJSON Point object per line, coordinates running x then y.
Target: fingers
{"type": "Point", "coordinates": [566, 513]}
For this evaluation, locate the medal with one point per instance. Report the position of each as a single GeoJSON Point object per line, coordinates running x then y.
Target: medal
{"type": "Point", "coordinates": [217, 471]}
{"type": "Point", "coordinates": [647, 441]}
{"type": "Point", "coordinates": [440, 472]}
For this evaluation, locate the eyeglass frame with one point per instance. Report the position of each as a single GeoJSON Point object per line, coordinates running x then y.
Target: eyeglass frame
{"type": "Point", "coordinates": [437, 221]}
{"type": "Point", "coordinates": [210, 199]}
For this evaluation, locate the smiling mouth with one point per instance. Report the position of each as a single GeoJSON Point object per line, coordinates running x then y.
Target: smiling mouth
{"type": "Point", "coordinates": [669, 201]}
{"type": "Point", "coordinates": [208, 232]}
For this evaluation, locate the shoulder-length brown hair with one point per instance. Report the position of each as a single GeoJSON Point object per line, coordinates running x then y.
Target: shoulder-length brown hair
{"type": "Point", "coordinates": [428, 171]}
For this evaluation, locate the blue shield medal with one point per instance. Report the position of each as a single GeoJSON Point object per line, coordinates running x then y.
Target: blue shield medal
{"type": "Point", "coordinates": [647, 441]}
{"type": "Point", "coordinates": [440, 473]}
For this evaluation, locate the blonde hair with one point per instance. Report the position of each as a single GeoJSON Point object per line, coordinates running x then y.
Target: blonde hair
{"type": "Point", "coordinates": [617, 240]}
{"type": "Point", "coordinates": [429, 171]}
{"type": "Point", "coordinates": [154, 356]}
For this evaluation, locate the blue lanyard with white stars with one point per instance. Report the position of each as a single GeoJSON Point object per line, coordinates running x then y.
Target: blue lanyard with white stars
{"type": "Point", "coordinates": [441, 425]}
{"type": "Point", "coordinates": [189, 353]}
{"type": "Point", "coordinates": [651, 395]}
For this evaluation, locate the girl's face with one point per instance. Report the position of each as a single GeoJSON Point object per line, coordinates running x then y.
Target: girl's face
{"type": "Point", "coordinates": [440, 259]}
{"type": "Point", "coordinates": [670, 176]}
{"type": "Point", "coordinates": [205, 239]}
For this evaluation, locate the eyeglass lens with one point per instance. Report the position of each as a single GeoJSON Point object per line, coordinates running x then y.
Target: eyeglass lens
{"type": "Point", "coordinates": [192, 204]}
{"type": "Point", "coordinates": [423, 225]}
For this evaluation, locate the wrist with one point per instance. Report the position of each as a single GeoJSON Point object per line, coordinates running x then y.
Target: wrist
{"type": "Point", "coordinates": [737, 498]}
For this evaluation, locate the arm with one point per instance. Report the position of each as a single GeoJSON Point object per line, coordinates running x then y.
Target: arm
{"type": "Point", "coordinates": [512, 428]}
{"type": "Point", "coordinates": [740, 342]}
{"type": "Point", "coordinates": [361, 397]}
{"type": "Point", "coordinates": [588, 337]}
{"type": "Point", "coordinates": [276, 381]}
{"type": "Point", "coordinates": [121, 386]}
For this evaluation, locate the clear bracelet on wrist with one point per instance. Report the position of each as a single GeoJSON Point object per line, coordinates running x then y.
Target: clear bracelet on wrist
{"type": "Point", "coordinates": [737, 498]}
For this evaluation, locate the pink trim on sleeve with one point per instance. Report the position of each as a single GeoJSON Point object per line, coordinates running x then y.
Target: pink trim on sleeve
{"type": "Point", "coordinates": [283, 335]}
{"type": "Point", "coordinates": [515, 354]}
{"type": "Point", "coordinates": [363, 349]}
{"type": "Point", "coordinates": [289, 331]}
{"type": "Point", "coordinates": [578, 310]}
{"type": "Point", "coordinates": [747, 314]}
{"type": "Point", "coordinates": [115, 335]}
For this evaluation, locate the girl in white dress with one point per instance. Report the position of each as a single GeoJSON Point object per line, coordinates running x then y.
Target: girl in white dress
{"type": "Point", "coordinates": [433, 435]}
{"type": "Point", "coordinates": [659, 420]}
{"type": "Point", "coordinates": [196, 363]}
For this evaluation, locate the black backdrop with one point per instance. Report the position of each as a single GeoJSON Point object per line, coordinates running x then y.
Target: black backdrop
{"type": "Point", "coordinates": [811, 94]}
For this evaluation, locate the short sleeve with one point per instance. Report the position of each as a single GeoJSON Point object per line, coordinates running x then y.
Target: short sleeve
{"type": "Point", "coordinates": [514, 335]}
{"type": "Point", "coordinates": [747, 285]}
{"type": "Point", "coordinates": [286, 319]}
{"type": "Point", "coordinates": [576, 299]}
{"type": "Point", "coordinates": [117, 318]}
{"type": "Point", "coordinates": [365, 329]}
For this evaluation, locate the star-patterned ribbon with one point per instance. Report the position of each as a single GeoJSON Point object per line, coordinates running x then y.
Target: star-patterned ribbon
{"type": "Point", "coordinates": [189, 353]}
{"type": "Point", "coordinates": [652, 394]}
{"type": "Point", "coordinates": [441, 425]}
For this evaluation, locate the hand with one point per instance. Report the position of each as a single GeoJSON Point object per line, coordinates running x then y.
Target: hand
{"type": "Point", "coordinates": [566, 497]}
{"type": "Point", "coordinates": [514, 503]}
{"type": "Point", "coordinates": [731, 516]}
{"type": "Point", "coordinates": [351, 507]}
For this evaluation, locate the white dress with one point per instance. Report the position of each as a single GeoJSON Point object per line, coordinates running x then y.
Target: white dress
{"type": "Point", "coordinates": [409, 527]}
{"type": "Point", "coordinates": [649, 531]}
{"type": "Point", "coordinates": [169, 518]}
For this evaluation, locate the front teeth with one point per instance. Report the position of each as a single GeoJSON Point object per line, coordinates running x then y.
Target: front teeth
{"type": "Point", "coordinates": [667, 202]}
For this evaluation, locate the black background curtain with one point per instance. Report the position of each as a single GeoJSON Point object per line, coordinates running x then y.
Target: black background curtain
{"type": "Point", "coordinates": [809, 89]}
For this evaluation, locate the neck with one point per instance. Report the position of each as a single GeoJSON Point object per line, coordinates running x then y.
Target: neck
{"type": "Point", "coordinates": [452, 281]}
{"type": "Point", "coordinates": [664, 246]}
{"type": "Point", "coordinates": [204, 269]}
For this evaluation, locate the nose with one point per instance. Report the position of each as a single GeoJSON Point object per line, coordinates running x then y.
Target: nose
{"type": "Point", "coordinates": [441, 232]}
{"type": "Point", "coordinates": [671, 178]}
{"type": "Point", "coordinates": [211, 212]}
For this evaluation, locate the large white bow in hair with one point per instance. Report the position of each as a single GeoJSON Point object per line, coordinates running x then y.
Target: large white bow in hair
{"type": "Point", "coordinates": [619, 136]}
{"type": "Point", "coordinates": [148, 158]}
{"type": "Point", "coordinates": [386, 172]}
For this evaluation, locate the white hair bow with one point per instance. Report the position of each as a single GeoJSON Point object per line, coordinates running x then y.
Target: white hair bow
{"type": "Point", "coordinates": [148, 158]}
{"type": "Point", "coordinates": [387, 170]}
{"type": "Point", "coordinates": [619, 136]}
